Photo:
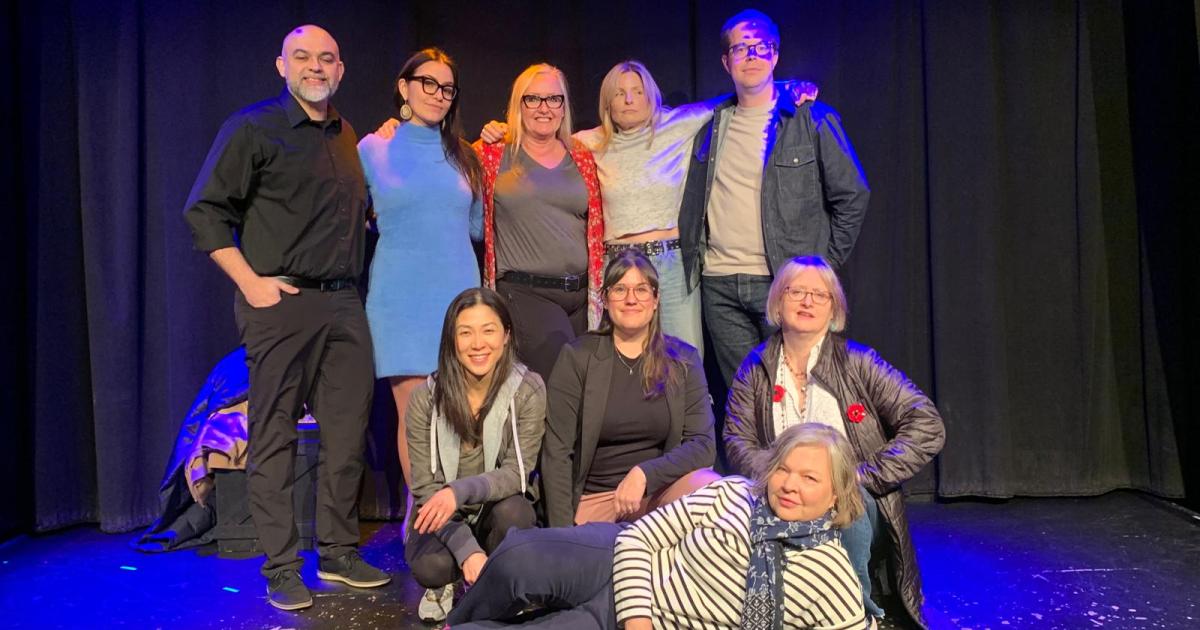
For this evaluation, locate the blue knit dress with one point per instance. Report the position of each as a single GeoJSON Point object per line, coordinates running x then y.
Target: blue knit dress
{"type": "Point", "coordinates": [424, 257]}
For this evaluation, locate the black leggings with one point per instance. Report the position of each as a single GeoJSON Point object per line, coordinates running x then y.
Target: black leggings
{"type": "Point", "coordinates": [432, 564]}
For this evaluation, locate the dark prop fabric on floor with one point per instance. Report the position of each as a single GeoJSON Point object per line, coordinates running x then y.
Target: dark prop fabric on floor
{"type": "Point", "coordinates": [183, 522]}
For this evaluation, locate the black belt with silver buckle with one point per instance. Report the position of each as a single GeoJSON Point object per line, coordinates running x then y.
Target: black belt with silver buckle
{"type": "Point", "coordinates": [569, 284]}
{"type": "Point", "coordinates": [320, 285]}
{"type": "Point", "coordinates": [649, 248]}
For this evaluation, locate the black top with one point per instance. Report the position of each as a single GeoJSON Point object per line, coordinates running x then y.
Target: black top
{"type": "Point", "coordinates": [577, 398]}
{"type": "Point", "coordinates": [634, 429]}
{"type": "Point", "coordinates": [291, 186]}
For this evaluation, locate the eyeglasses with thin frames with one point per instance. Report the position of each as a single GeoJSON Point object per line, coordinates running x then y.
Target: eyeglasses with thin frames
{"type": "Point", "coordinates": [642, 292]}
{"type": "Point", "coordinates": [533, 101]}
{"type": "Point", "coordinates": [795, 294]}
{"type": "Point", "coordinates": [762, 50]}
{"type": "Point", "coordinates": [430, 86]}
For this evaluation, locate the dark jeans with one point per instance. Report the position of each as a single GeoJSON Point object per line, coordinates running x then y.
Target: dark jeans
{"type": "Point", "coordinates": [566, 569]}
{"type": "Point", "coordinates": [735, 314]}
{"type": "Point", "coordinates": [544, 320]}
{"type": "Point", "coordinates": [313, 348]}
{"type": "Point", "coordinates": [432, 564]}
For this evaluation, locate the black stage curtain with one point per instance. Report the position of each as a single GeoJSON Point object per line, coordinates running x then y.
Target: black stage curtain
{"type": "Point", "coordinates": [1020, 261]}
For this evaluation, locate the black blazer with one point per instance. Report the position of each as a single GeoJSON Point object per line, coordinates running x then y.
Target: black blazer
{"type": "Point", "coordinates": [577, 396]}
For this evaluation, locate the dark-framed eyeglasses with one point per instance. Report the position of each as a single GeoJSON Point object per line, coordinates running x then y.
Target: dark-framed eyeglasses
{"type": "Point", "coordinates": [533, 101]}
{"type": "Point", "coordinates": [641, 292]}
{"type": "Point", "coordinates": [430, 86]}
{"type": "Point", "coordinates": [762, 50]}
{"type": "Point", "coordinates": [794, 294]}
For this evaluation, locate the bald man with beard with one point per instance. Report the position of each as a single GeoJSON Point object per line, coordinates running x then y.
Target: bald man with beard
{"type": "Point", "coordinates": [280, 205]}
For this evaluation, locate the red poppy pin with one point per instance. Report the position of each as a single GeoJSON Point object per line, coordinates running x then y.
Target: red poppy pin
{"type": "Point", "coordinates": [779, 393]}
{"type": "Point", "coordinates": [856, 412]}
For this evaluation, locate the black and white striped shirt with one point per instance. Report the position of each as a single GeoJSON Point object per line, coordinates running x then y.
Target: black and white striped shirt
{"type": "Point", "coordinates": [684, 566]}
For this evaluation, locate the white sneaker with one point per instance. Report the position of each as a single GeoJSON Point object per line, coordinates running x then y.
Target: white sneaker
{"type": "Point", "coordinates": [436, 603]}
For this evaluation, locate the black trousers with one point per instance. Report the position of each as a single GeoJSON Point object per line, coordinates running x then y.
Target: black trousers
{"type": "Point", "coordinates": [312, 348]}
{"type": "Point", "coordinates": [544, 320]}
{"type": "Point", "coordinates": [432, 564]}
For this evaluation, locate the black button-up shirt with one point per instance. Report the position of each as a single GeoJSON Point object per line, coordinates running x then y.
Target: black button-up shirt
{"type": "Point", "coordinates": [292, 188]}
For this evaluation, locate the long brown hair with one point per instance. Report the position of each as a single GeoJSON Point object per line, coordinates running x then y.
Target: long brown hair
{"type": "Point", "coordinates": [450, 394]}
{"type": "Point", "coordinates": [662, 367]}
{"type": "Point", "coordinates": [457, 151]}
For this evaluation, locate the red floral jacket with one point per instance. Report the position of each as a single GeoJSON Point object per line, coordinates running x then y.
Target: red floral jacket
{"type": "Point", "coordinates": [490, 156]}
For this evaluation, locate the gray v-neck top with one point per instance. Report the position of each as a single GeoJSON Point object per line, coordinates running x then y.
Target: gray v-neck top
{"type": "Point", "coordinates": [541, 217]}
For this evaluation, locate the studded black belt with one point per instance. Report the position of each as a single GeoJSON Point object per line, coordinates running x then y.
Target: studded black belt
{"type": "Point", "coordinates": [649, 248]}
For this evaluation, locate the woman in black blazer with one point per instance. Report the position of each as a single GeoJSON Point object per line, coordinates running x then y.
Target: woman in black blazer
{"type": "Point", "coordinates": [630, 425]}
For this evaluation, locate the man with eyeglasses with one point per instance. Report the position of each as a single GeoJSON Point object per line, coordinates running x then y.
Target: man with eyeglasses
{"type": "Point", "coordinates": [771, 181]}
{"type": "Point", "coordinates": [280, 205]}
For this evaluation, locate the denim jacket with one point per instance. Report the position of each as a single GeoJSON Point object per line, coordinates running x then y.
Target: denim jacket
{"type": "Point", "coordinates": [814, 191]}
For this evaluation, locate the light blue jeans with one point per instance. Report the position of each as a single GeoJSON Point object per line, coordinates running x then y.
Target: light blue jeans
{"type": "Point", "coordinates": [857, 539]}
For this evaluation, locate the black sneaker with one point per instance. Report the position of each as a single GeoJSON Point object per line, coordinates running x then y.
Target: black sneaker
{"type": "Point", "coordinates": [286, 591]}
{"type": "Point", "coordinates": [353, 570]}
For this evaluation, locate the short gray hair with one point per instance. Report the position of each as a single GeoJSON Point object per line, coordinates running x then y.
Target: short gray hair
{"type": "Point", "coordinates": [793, 268]}
{"type": "Point", "coordinates": [848, 502]}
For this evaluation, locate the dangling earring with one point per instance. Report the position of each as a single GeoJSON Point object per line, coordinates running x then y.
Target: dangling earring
{"type": "Point", "coordinates": [405, 112]}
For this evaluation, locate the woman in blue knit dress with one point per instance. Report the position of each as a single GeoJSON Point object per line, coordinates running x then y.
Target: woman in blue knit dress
{"type": "Point", "coordinates": [424, 185]}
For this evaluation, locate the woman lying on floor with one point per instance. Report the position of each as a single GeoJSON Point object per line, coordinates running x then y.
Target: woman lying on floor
{"type": "Point", "coordinates": [736, 553]}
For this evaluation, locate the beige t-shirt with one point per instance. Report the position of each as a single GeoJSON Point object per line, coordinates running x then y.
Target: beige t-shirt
{"type": "Point", "coordinates": [735, 238]}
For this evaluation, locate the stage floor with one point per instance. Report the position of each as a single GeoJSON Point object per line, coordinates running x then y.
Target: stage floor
{"type": "Point", "coordinates": [1122, 560]}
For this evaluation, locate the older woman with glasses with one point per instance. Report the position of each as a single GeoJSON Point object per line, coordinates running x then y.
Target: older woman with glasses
{"type": "Point", "coordinates": [755, 555]}
{"type": "Point", "coordinates": [629, 424]}
{"type": "Point", "coordinates": [806, 373]}
{"type": "Point", "coordinates": [543, 219]}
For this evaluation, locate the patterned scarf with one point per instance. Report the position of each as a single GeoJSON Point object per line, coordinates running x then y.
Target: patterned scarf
{"type": "Point", "coordinates": [769, 534]}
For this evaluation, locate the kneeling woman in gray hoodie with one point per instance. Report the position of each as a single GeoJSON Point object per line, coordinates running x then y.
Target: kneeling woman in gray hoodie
{"type": "Point", "coordinates": [474, 431]}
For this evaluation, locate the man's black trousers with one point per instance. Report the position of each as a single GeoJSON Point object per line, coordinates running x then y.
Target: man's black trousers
{"type": "Point", "coordinates": [312, 348]}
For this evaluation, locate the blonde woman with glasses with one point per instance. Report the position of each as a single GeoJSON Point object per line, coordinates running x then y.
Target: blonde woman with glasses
{"type": "Point", "coordinates": [543, 223]}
